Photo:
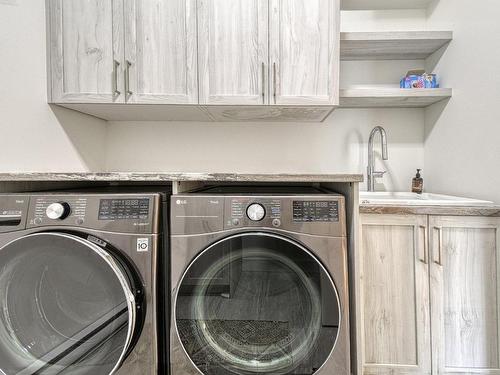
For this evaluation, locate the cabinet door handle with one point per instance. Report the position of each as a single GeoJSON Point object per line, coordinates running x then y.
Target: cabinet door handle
{"type": "Point", "coordinates": [423, 258]}
{"type": "Point", "coordinates": [116, 64]}
{"type": "Point", "coordinates": [128, 64]}
{"type": "Point", "coordinates": [439, 260]}
{"type": "Point", "coordinates": [263, 83]}
{"type": "Point", "coordinates": [274, 82]}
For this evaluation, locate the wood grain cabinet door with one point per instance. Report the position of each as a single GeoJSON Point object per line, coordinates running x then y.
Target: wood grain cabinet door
{"type": "Point", "coordinates": [86, 51]}
{"type": "Point", "coordinates": [394, 296]}
{"type": "Point", "coordinates": [465, 276]}
{"type": "Point", "coordinates": [304, 52]}
{"type": "Point", "coordinates": [160, 64]}
{"type": "Point", "coordinates": [233, 51]}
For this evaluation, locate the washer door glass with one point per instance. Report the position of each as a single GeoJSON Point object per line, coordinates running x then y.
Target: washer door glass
{"type": "Point", "coordinates": [66, 307]}
{"type": "Point", "coordinates": [257, 303]}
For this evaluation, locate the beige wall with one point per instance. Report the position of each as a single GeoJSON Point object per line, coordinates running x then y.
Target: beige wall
{"type": "Point", "coordinates": [462, 142]}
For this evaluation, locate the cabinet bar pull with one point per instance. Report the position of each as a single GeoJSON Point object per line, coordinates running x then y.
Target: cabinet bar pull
{"type": "Point", "coordinates": [263, 83]}
{"type": "Point", "coordinates": [116, 64]}
{"type": "Point", "coordinates": [439, 261]}
{"type": "Point", "coordinates": [274, 82]}
{"type": "Point", "coordinates": [128, 64]}
{"type": "Point", "coordinates": [424, 258]}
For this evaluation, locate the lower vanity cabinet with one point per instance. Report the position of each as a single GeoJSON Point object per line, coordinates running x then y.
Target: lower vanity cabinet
{"type": "Point", "coordinates": [429, 295]}
{"type": "Point", "coordinates": [465, 300]}
{"type": "Point", "coordinates": [394, 296]}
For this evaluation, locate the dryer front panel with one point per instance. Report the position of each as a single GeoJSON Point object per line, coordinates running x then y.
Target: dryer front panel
{"type": "Point", "coordinates": [257, 303]}
{"type": "Point", "coordinates": [67, 307]}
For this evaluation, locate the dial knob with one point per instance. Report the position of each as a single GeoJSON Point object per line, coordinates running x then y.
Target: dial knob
{"type": "Point", "coordinates": [58, 211]}
{"type": "Point", "coordinates": [256, 212]}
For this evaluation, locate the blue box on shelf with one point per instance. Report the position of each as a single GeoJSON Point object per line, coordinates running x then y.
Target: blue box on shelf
{"type": "Point", "coordinates": [419, 80]}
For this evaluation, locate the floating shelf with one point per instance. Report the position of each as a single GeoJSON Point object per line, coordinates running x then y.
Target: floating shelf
{"type": "Point", "coordinates": [391, 97]}
{"type": "Point", "coordinates": [384, 4]}
{"type": "Point", "coordinates": [403, 45]}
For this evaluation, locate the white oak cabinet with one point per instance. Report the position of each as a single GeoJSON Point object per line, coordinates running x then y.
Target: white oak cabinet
{"type": "Point", "coordinates": [304, 44]}
{"type": "Point", "coordinates": [238, 60]}
{"type": "Point", "coordinates": [160, 64]}
{"type": "Point", "coordinates": [394, 296]}
{"type": "Point", "coordinates": [408, 263]}
{"type": "Point", "coordinates": [278, 52]}
{"type": "Point", "coordinates": [465, 277]}
{"type": "Point", "coordinates": [119, 51]}
{"type": "Point", "coordinates": [233, 52]}
{"type": "Point", "coordinates": [85, 51]}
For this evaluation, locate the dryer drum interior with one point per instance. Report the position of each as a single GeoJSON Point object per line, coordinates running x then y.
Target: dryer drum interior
{"type": "Point", "coordinates": [256, 303]}
{"type": "Point", "coordinates": [67, 307]}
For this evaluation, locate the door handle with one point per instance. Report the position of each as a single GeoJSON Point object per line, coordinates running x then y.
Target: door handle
{"type": "Point", "coordinates": [274, 82]}
{"type": "Point", "coordinates": [116, 92]}
{"type": "Point", "coordinates": [423, 258]}
{"type": "Point", "coordinates": [128, 64]}
{"type": "Point", "coordinates": [439, 260]}
{"type": "Point", "coordinates": [263, 83]}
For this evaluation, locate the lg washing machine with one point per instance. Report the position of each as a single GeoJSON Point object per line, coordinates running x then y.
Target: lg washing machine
{"type": "Point", "coordinates": [78, 284]}
{"type": "Point", "coordinates": [259, 282]}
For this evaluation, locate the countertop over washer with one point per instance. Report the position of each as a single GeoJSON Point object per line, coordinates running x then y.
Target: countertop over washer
{"type": "Point", "coordinates": [176, 177]}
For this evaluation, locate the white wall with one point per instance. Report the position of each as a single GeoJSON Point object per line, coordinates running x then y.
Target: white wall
{"type": "Point", "coordinates": [339, 145]}
{"type": "Point", "coordinates": [34, 136]}
{"type": "Point", "coordinates": [462, 143]}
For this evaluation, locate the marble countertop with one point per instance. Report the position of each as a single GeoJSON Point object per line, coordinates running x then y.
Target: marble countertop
{"type": "Point", "coordinates": [176, 176]}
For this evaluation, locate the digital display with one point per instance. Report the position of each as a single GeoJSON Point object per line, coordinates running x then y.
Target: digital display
{"type": "Point", "coordinates": [123, 209]}
{"type": "Point", "coordinates": [315, 211]}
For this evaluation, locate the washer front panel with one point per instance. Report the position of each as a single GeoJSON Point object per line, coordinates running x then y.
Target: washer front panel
{"type": "Point", "coordinates": [255, 303]}
{"type": "Point", "coordinates": [66, 307]}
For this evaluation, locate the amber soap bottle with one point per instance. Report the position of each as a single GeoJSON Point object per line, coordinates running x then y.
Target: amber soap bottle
{"type": "Point", "coordinates": [417, 184]}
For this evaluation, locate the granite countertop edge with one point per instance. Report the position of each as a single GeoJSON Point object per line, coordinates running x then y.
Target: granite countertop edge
{"type": "Point", "coordinates": [176, 177]}
{"type": "Point", "coordinates": [492, 210]}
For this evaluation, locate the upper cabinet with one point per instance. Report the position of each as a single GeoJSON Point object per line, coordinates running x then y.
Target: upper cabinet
{"type": "Point", "coordinates": [304, 52]}
{"type": "Point", "coordinates": [160, 52]}
{"type": "Point", "coordinates": [243, 60]}
{"type": "Point", "coordinates": [123, 51]}
{"type": "Point", "coordinates": [233, 52]}
{"type": "Point", "coordinates": [86, 51]}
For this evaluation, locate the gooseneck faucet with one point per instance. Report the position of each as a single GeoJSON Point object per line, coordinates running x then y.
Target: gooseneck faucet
{"type": "Point", "coordinates": [372, 174]}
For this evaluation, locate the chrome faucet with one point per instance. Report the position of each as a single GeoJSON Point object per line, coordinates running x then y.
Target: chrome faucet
{"type": "Point", "coordinates": [372, 174]}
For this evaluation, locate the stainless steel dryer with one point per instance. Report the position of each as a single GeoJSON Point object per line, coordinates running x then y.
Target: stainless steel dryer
{"type": "Point", "coordinates": [77, 284]}
{"type": "Point", "coordinates": [259, 283]}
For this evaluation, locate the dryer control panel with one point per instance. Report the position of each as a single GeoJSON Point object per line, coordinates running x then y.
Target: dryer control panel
{"type": "Point", "coordinates": [316, 215]}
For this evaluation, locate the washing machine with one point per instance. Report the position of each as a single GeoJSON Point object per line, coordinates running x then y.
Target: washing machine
{"type": "Point", "coordinates": [78, 283]}
{"type": "Point", "coordinates": [259, 282]}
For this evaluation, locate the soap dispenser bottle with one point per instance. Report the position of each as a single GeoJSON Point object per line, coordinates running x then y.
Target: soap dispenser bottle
{"type": "Point", "coordinates": [417, 185]}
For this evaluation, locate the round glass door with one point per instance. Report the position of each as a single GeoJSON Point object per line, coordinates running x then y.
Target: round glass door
{"type": "Point", "coordinates": [66, 307]}
{"type": "Point", "coordinates": [257, 303]}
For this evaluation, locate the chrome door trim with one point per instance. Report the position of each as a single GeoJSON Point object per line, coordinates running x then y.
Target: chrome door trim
{"type": "Point", "coordinates": [247, 234]}
{"type": "Point", "coordinates": [104, 255]}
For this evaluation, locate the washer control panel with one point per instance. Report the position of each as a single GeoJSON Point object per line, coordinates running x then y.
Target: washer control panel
{"type": "Point", "coordinates": [51, 210]}
{"type": "Point", "coordinates": [125, 213]}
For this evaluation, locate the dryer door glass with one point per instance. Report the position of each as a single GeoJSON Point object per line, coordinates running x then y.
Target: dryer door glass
{"type": "Point", "coordinates": [257, 303]}
{"type": "Point", "coordinates": [66, 307]}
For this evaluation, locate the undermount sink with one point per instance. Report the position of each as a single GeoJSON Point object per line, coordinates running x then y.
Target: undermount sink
{"type": "Point", "coordinates": [413, 199]}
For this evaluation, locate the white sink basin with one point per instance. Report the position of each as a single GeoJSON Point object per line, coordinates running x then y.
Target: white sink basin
{"type": "Point", "coordinates": [413, 199]}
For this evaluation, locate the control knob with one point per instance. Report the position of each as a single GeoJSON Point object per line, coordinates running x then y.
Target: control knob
{"type": "Point", "coordinates": [256, 212]}
{"type": "Point", "coordinates": [58, 211]}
